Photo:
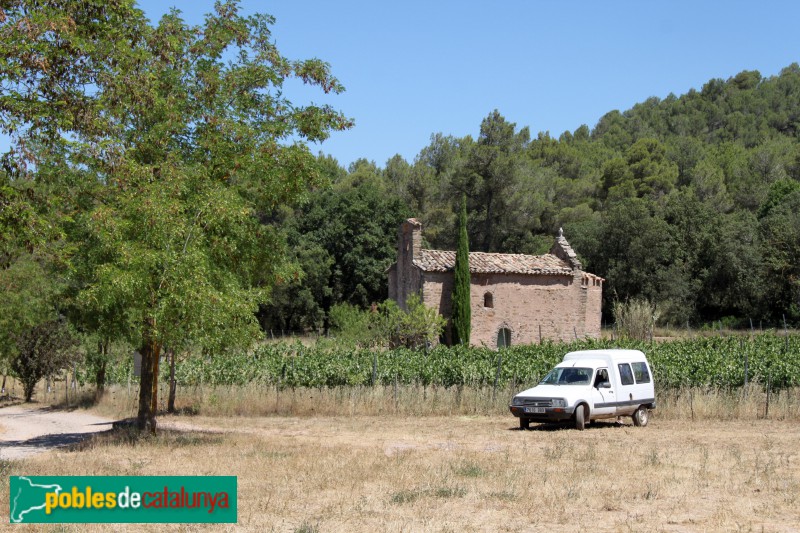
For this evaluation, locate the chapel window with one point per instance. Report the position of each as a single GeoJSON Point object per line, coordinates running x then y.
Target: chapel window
{"type": "Point", "coordinates": [488, 300]}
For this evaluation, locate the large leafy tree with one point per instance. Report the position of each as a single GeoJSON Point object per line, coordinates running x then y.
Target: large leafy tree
{"type": "Point", "coordinates": [645, 171]}
{"type": "Point", "coordinates": [491, 175]}
{"type": "Point", "coordinates": [31, 250]}
{"type": "Point", "coordinates": [352, 228]}
{"type": "Point", "coordinates": [780, 231]}
{"type": "Point", "coordinates": [437, 166]}
{"type": "Point", "coordinates": [188, 133]}
{"type": "Point", "coordinates": [27, 288]}
{"type": "Point", "coordinates": [635, 250]}
{"type": "Point", "coordinates": [297, 303]}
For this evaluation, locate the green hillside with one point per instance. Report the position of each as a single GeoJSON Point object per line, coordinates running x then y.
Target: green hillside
{"type": "Point", "coordinates": [690, 202]}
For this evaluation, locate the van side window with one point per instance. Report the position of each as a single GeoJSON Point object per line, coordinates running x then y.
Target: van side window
{"type": "Point", "coordinates": [625, 374]}
{"type": "Point", "coordinates": [602, 377]}
{"type": "Point", "coordinates": [640, 373]}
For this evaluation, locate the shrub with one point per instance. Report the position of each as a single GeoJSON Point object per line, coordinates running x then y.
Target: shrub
{"type": "Point", "coordinates": [417, 327]}
{"type": "Point", "coordinates": [42, 351]}
{"type": "Point", "coordinates": [635, 319]}
{"type": "Point", "coordinates": [354, 326]}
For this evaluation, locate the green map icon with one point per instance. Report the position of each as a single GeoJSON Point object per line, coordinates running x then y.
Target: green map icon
{"type": "Point", "coordinates": [27, 499]}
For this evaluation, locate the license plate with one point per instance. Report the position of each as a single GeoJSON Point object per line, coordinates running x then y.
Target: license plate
{"type": "Point", "coordinates": [535, 410]}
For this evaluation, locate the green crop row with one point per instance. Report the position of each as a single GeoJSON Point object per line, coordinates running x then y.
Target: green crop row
{"type": "Point", "coordinates": [712, 361]}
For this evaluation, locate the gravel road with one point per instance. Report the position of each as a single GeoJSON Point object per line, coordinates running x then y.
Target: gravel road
{"type": "Point", "coordinates": [26, 430]}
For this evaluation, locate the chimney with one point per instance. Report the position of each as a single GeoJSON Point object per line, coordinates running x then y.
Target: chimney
{"type": "Point", "coordinates": [409, 242]}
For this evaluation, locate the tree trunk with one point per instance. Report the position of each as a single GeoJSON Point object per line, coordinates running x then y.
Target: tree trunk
{"type": "Point", "coordinates": [172, 384]}
{"type": "Point", "coordinates": [100, 375]}
{"type": "Point", "coordinates": [27, 389]}
{"type": "Point", "coordinates": [148, 386]}
{"type": "Point", "coordinates": [327, 303]}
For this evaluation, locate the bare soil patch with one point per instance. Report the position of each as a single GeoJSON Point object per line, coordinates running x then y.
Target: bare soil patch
{"type": "Point", "coordinates": [26, 430]}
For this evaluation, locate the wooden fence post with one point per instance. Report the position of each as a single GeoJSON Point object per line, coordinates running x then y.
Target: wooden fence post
{"type": "Point", "coordinates": [769, 387]}
{"type": "Point", "coordinates": [395, 392]}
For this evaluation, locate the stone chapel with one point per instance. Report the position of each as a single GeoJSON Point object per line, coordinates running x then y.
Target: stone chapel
{"type": "Point", "coordinates": [516, 298]}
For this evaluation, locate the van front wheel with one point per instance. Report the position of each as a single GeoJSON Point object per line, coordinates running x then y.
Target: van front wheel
{"type": "Point", "coordinates": [641, 416]}
{"type": "Point", "coordinates": [580, 417]}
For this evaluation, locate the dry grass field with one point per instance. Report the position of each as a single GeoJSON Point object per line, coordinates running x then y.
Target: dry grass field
{"type": "Point", "coordinates": [463, 472]}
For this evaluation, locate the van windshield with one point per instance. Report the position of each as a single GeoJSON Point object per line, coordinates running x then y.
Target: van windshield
{"type": "Point", "coordinates": [568, 376]}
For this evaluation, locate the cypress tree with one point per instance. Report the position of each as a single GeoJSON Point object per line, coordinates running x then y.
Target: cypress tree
{"type": "Point", "coordinates": [462, 316]}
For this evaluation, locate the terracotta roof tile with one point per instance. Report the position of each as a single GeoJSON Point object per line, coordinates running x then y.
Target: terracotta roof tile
{"type": "Point", "coordinates": [491, 263]}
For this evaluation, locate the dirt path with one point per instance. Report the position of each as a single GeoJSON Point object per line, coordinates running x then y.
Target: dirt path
{"type": "Point", "coordinates": [28, 430]}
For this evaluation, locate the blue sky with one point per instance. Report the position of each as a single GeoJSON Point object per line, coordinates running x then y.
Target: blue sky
{"type": "Point", "coordinates": [415, 68]}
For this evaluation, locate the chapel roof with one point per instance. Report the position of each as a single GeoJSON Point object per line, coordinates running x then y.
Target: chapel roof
{"type": "Point", "coordinates": [494, 263]}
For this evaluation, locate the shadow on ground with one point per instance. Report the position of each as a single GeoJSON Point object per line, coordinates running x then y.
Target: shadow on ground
{"type": "Point", "coordinates": [56, 440]}
{"type": "Point", "coordinates": [570, 425]}
{"type": "Point", "coordinates": [127, 434]}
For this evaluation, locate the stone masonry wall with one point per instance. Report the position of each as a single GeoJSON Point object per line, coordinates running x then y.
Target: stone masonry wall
{"type": "Point", "coordinates": [555, 307]}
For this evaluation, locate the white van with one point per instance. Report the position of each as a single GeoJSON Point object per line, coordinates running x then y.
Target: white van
{"type": "Point", "coordinates": [590, 385]}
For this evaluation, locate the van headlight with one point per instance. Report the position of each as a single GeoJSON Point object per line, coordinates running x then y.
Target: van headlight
{"type": "Point", "coordinates": [559, 402]}
{"type": "Point", "coordinates": [516, 401]}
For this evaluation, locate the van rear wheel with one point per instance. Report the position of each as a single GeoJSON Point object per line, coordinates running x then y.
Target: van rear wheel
{"type": "Point", "coordinates": [641, 416]}
{"type": "Point", "coordinates": [580, 417]}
